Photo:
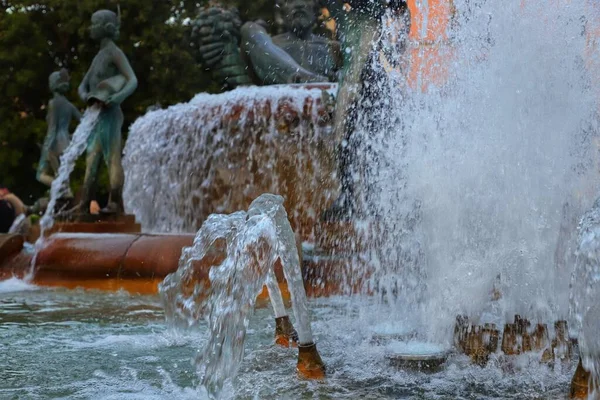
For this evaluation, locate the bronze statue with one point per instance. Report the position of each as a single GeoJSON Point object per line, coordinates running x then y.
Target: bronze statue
{"type": "Point", "coordinates": [295, 56]}
{"type": "Point", "coordinates": [59, 115]}
{"type": "Point", "coordinates": [218, 33]}
{"type": "Point", "coordinates": [108, 82]}
{"type": "Point", "coordinates": [299, 56]}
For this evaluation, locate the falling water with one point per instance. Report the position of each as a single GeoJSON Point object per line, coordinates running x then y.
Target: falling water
{"type": "Point", "coordinates": [475, 179]}
{"type": "Point", "coordinates": [217, 153]}
{"type": "Point", "coordinates": [60, 186]}
{"type": "Point", "coordinates": [223, 288]}
{"type": "Point", "coordinates": [585, 290]}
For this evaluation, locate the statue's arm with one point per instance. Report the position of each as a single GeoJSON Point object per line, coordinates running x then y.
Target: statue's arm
{"type": "Point", "coordinates": [270, 62]}
{"type": "Point", "coordinates": [125, 69]}
{"type": "Point", "coordinates": [84, 86]}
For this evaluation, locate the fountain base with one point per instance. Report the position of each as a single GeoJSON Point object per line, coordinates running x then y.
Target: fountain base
{"type": "Point", "coordinates": [96, 223]}
{"type": "Point", "coordinates": [580, 385]}
{"type": "Point", "coordinates": [414, 355]}
{"type": "Point", "coordinates": [10, 245]}
{"type": "Point", "coordinates": [423, 363]}
{"type": "Point", "coordinates": [310, 365]}
{"type": "Point", "coordinates": [285, 334]}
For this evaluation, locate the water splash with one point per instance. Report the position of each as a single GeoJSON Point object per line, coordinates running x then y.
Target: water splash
{"type": "Point", "coordinates": [13, 284]}
{"type": "Point", "coordinates": [60, 186]}
{"type": "Point", "coordinates": [585, 281]}
{"type": "Point", "coordinates": [471, 178]}
{"type": "Point", "coordinates": [221, 275]}
{"type": "Point", "coordinates": [589, 348]}
{"type": "Point", "coordinates": [219, 152]}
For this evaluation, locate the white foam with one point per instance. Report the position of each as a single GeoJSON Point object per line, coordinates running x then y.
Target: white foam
{"type": "Point", "coordinates": [416, 348]}
{"type": "Point", "coordinates": [13, 285]}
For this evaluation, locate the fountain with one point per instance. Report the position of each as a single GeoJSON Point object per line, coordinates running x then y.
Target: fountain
{"type": "Point", "coordinates": [464, 165]}
{"type": "Point", "coordinates": [252, 243]}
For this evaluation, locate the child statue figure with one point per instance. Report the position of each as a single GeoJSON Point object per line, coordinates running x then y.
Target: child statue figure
{"type": "Point", "coordinates": [108, 82]}
{"type": "Point", "coordinates": [60, 113]}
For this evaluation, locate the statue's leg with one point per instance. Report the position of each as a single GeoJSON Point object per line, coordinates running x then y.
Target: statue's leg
{"type": "Point", "coordinates": [45, 178]}
{"type": "Point", "coordinates": [62, 143]}
{"type": "Point", "coordinates": [43, 173]}
{"type": "Point", "coordinates": [112, 154]}
{"type": "Point", "coordinates": [94, 155]}
{"type": "Point", "coordinates": [51, 172]}
{"type": "Point", "coordinates": [47, 164]}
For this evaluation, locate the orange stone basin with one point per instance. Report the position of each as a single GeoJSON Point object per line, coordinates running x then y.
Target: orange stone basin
{"type": "Point", "coordinates": [133, 262]}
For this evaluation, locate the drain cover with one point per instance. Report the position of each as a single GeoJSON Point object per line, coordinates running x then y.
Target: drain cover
{"type": "Point", "coordinates": [422, 356]}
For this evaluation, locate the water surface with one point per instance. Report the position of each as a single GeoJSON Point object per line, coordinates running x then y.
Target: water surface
{"type": "Point", "coordinates": [76, 344]}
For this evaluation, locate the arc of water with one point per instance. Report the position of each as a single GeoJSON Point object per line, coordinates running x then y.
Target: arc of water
{"type": "Point", "coordinates": [254, 242]}
{"type": "Point", "coordinates": [275, 295]}
{"type": "Point", "coordinates": [293, 275]}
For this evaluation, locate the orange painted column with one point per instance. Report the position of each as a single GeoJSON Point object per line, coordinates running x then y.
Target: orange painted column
{"type": "Point", "coordinates": [430, 51]}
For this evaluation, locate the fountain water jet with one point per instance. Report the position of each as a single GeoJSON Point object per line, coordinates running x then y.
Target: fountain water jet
{"type": "Point", "coordinates": [471, 178]}
{"type": "Point", "coordinates": [585, 297]}
{"type": "Point", "coordinates": [250, 244]}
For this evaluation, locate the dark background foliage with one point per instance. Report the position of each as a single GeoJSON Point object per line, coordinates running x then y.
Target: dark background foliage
{"type": "Point", "coordinates": [39, 37]}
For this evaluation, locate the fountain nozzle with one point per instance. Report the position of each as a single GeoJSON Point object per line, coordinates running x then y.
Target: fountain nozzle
{"type": "Point", "coordinates": [310, 365]}
{"type": "Point", "coordinates": [580, 384]}
{"type": "Point", "coordinates": [285, 334]}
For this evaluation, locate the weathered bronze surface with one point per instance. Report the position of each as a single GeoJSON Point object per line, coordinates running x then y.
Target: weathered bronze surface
{"type": "Point", "coordinates": [108, 82]}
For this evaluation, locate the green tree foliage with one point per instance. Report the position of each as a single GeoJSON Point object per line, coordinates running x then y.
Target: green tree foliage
{"type": "Point", "coordinates": [38, 37]}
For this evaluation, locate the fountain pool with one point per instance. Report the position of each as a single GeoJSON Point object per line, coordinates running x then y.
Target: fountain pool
{"type": "Point", "coordinates": [474, 189]}
{"type": "Point", "coordinates": [80, 344]}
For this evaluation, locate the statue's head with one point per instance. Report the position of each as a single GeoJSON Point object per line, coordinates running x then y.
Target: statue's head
{"type": "Point", "coordinates": [298, 16]}
{"type": "Point", "coordinates": [59, 81]}
{"type": "Point", "coordinates": [105, 24]}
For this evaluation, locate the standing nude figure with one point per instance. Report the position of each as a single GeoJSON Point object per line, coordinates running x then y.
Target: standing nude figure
{"type": "Point", "coordinates": [59, 116]}
{"type": "Point", "coordinates": [108, 82]}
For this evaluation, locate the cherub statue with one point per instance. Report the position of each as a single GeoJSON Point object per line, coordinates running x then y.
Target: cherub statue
{"type": "Point", "coordinates": [59, 115]}
{"type": "Point", "coordinates": [108, 82]}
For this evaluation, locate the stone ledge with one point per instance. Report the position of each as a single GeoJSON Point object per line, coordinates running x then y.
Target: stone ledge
{"type": "Point", "coordinates": [88, 223]}
{"type": "Point", "coordinates": [10, 246]}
